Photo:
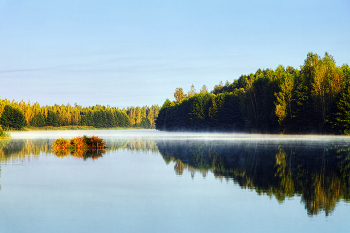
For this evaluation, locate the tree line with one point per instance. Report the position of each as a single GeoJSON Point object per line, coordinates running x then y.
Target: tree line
{"type": "Point", "coordinates": [16, 115]}
{"type": "Point", "coordinates": [312, 99]}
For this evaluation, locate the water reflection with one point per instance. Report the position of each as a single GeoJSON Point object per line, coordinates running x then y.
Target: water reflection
{"type": "Point", "coordinates": [318, 172]}
{"type": "Point", "coordinates": [21, 149]}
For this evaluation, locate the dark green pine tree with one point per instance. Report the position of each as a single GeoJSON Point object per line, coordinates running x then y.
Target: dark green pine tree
{"type": "Point", "coordinates": [89, 119]}
{"type": "Point", "coordinates": [38, 120]}
{"type": "Point", "coordinates": [52, 119]}
{"type": "Point", "coordinates": [340, 113]}
{"type": "Point", "coordinates": [110, 119]}
{"type": "Point", "coordinates": [98, 119]}
{"type": "Point", "coordinates": [124, 120]}
{"type": "Point", "coordinates": [118, 118]}
{"type": "Point", "coordinates": [103, 118]}
{"type": "Point", "coordinates": [12, 118]}
{"type": "Point", "coordinates": [199, 112]}
{"type": "Point", "coordinates": [160, 121]}
{"type": "Point", "coordinates": [83, 120]}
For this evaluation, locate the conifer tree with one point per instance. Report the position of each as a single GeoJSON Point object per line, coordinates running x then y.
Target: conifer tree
{"type": "Point", "coordinates": [12, 118]}
{"type": "Point", "coordinates": [52, 119]}
{"type": "Point", "coordinates": [38, 120]}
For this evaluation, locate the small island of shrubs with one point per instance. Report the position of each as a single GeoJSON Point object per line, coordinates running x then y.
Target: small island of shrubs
{"type": "Point", "coordinates": [81, 147]}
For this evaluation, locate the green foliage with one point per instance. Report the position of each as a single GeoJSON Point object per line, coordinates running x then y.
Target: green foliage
{"type": "Point", "coordinates": [199, 111]}
{"type": "Point", "coordinates": [309, 100]}
{"type": "Point", "coordinates": [145, 123]}
{"type": "Point", "coordinates": [12, 118]}
{"type": "Point", "coordinates": [52, 119]}
{"type": "Point", "coordinates": [74, 116]}
{"type": "Point", "coordinates": [160, 121]}
{"type": "Point", "coordinates": [38, 120]}
{"type": "Point", "coordinates": [3, 133]}
{"type": "Point", "coordinates": [340, 119]}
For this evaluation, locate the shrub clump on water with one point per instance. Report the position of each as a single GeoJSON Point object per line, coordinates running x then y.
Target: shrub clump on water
{"type": "Point", "coordinates": [78, 146]}
{"type": "Point", "coordinates": [94, 142]}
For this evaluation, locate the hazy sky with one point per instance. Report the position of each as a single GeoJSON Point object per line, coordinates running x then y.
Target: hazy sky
{"type": "Point", "coordinates": [135, 53]}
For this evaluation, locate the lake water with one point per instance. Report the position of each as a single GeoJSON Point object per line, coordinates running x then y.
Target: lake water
{"type": "Point", "coordinates": [150, 181]}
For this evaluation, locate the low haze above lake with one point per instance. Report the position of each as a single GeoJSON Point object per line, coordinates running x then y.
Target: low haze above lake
{"type": "Point", "coordinates": [150, 181]}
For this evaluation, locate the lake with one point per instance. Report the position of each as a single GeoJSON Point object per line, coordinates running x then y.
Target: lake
{"type": "Point", "coordinates": [150, 181]}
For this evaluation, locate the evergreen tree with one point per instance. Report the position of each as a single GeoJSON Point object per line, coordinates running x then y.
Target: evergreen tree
{"type": "Point", "coordinates": [340, 117]}
{"type": "Point", "coordinates": [52, 119]}
{"type": "Point", "coordinates": [160, 121]}
{"type": "Point", "coordinates": [145, 123]}
{"type": "Point", "coordinates": [38, 120]}
{"type": "Point", "coordinates": [12, 118]}
{"type": "Point", "coordinates": [98, 119]}
{"type": "Point", "coordinates": [110, 119]}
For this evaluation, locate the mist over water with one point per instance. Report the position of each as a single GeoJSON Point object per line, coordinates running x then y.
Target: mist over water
{"type": "Point", "coordinates": [155, 134]}
{"type": "Point", "coordinates": [148, 179]}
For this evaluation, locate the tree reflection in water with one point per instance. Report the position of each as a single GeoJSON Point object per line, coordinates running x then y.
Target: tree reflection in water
{"type": "Point", "coordinates": [19, 150]}
{"type": "Point", "coordinates": [317, 172]}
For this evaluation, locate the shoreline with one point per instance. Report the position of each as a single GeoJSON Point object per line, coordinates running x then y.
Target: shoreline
{"type": "Point", "coordinates": [70, 127]}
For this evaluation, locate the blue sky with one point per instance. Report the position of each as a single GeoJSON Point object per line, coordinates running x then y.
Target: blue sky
{"type": "Point", "coordinates": [135, 53]}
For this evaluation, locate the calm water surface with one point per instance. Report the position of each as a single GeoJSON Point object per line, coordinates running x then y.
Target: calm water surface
{"type": "Point", "coordinates": [150, 181]}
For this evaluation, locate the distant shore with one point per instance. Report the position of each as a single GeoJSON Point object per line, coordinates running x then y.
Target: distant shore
{"type": "Point", "coordinates": [72, 127]}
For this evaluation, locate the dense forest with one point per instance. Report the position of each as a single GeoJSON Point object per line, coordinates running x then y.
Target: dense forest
{"type": "Point", "coordinates": [16, 115]}
{"type": "Point", "coordinates": [312, 99]}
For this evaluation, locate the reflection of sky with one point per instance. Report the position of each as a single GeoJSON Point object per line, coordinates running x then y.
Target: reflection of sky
{"type": "Point", "coordinates": [137, 192]}
{"type": "Point", "coordinates": [126, 53]}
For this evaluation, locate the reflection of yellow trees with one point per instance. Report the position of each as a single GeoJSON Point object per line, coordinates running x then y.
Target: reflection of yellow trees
{"type": "Point", "coordinates": [179, 167]}
{"type": "Point", "coordinates": [284, 173]}
{"type": "Point", "coordinates": [19, 150]}
{"type": "Point", "coordinates": [324, 195]}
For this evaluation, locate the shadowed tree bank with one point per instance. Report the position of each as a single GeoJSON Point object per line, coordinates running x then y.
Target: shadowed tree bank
{"type": "Point", "coordinates": [313, 99]}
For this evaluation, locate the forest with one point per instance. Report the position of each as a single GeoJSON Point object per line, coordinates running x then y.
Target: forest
{"type": "Point", "coordinates": [16, 115]}
{"type": "Point", "coordinates": [313, 99]}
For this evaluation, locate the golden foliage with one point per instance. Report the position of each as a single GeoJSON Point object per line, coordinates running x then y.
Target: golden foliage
{"type": "Point", "coordinates": [79, 147]}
